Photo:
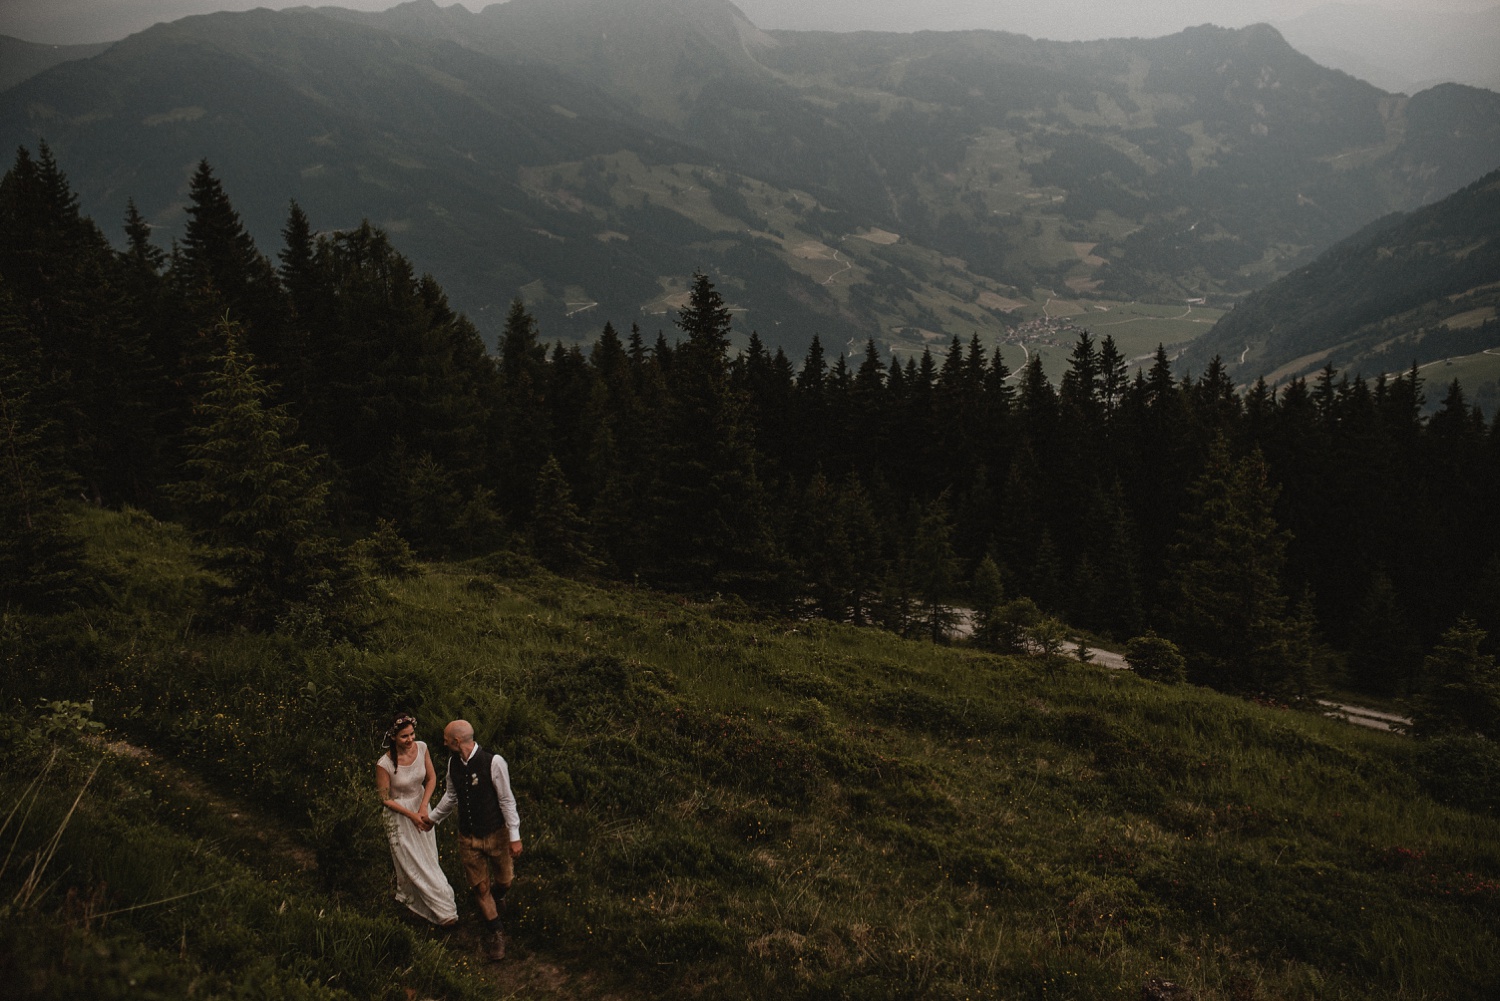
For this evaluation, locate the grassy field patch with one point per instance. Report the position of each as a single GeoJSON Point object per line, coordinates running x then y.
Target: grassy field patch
{"type": "Point", "coordinates": [716, 802]}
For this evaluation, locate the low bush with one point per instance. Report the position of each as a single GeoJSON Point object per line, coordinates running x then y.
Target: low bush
{"type": "Point", "coordinates": [1155, 658]}
{"type": "Point", "coordinates": [1463, 771]}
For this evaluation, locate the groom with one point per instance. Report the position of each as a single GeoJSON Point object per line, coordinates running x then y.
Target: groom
{"type": "Point", "coordinates": [489, 829]}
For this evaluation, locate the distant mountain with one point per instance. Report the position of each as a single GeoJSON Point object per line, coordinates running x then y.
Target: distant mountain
{"type": "Point", "coordinates": [590, 154]}
{"type": "Point", "coordinates": [20, 60]}
{"type": "Point", "coordinates": [1403, 51]}
{"type": "Point", "coordinates": [658, 55]}
{"type": "Point", "coordinates": [1411, 287]}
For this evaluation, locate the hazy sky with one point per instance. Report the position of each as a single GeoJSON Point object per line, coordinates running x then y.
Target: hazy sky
{"type": "Point", "coordinates": [63, 21]}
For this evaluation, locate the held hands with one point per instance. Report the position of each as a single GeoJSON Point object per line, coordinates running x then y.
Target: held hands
{"type": "Point", "coordinates": [422, 820]}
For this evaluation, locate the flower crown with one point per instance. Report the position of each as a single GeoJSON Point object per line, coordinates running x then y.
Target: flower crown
{"type": "Point", "coordinates": [402, 722]}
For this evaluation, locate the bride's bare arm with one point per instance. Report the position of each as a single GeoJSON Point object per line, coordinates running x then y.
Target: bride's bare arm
{"type": "Point", "coordinates": [429, 784]}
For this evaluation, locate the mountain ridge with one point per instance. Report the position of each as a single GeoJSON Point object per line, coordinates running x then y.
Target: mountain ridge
{"type": "Point", "coordinates": [1407, 289]}
{"type": "Point", "coordinates": [906, 188]}
{"type": "Point", "coordinates": [21, 60]}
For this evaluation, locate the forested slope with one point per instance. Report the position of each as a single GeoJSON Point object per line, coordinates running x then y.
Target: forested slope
{"type": "Point", "coordinates": [347, 387]}
{"type": "Point", "coordinates": [1410, 288]}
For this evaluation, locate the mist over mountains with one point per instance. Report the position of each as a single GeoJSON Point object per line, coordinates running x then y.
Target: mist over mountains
{"type": "Point", "coordinates": [589, 156]}
{"type": "Point", "coordinates": [1401, 51]}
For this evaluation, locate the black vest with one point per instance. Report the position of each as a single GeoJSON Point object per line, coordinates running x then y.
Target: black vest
{"type": "Point", "coordinates": [478, 805]}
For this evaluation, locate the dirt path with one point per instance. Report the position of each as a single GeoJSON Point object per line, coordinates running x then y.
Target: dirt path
{"type": "Point", "coordinates": [267, 846]}
{"type": "Point", "coordinates": [255, 838]}
{"type": "Point", "coordinates": [1373, 719]}
{"type": "Point", "coordinates": [847, 267]}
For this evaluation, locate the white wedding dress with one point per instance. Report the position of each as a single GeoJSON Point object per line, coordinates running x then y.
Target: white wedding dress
{"type": "Point", "coordinates": [420, 883]}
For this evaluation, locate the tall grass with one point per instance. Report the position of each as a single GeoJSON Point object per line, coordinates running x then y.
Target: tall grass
{"type": "Point", "coordinates": [724, 805]}
{"type": "Point", "coordinates": [121, 884]}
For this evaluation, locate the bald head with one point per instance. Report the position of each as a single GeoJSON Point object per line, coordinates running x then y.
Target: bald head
{"type": "Point", "coordinates": [458, 737]}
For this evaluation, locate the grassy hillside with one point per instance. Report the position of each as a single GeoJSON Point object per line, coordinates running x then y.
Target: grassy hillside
{"type": "Point", "coordinates": [1412, 288]}
{"type": "Point", "coordinates": [713, 804]}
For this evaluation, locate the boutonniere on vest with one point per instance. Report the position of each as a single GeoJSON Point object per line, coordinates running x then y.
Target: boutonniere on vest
{"type": "Point", "coordinates": [474, 779]}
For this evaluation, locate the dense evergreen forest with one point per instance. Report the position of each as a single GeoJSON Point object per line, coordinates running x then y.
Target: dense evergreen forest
{"type": "Point", "coordinates": [329, 406]}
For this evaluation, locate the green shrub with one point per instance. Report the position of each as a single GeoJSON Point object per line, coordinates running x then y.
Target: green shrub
{"type": "Point", "coordinates": [1463, 771]}
{"type": "Point", "coordinates": [1008, 628]}
{"type": "Point", "coordinates": [386, 554]}
{"type": "Point", "coordinates": [1156, 658]}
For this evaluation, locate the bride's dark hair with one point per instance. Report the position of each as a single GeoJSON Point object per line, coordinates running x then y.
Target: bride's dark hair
{"type": "Point", "coordinates": [402, 722]}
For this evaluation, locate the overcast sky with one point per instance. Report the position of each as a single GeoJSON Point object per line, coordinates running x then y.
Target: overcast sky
{"type": "Point", "coordinates": [63, 21]}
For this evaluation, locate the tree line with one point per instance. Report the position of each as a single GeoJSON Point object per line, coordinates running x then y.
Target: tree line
{"type": "Point", "coordinates": [328, 407]}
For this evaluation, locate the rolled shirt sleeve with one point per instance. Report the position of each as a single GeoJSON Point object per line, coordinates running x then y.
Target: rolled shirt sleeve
{"type": "Point", "coordinates": [500, 775]}
{"type": "Point", "coordinates": [448, 801]}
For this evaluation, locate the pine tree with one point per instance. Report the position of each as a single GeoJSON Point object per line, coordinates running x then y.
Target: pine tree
{"type": "Point", "coordinates": [421, 494]}
{"type": "Point", "coordinates": [523, 433]}
{"type": "Point", "coordinates": [1114, 374]}
{"type": "Point", "coordinates": [1224, 604]}
{"type": "Point", "coordinates": [710, 525]}
{"type": "Point", "coordinates": [395, 375]}
{"type": "Point", "coordinates": [1083, 383]}
{"type": "Point", "coordinates": [935, 567]}
{"type": "Point", "coordinates": [41, 563]}
{"type": "Point", "coordinates": [1048, 573]}
{"type": "Point", "coordinates": [768, 386]}
{"type": "Point", "coordinates": [559, 535]}
{"type": "Point", "coordinates": [257, 496]}
{"type": "Point", "coordinates": [217, 270]}
{"type": "Point", "coordinates": [297, 257]}
{"type": "Point", "coordinates": [810, 412]}
{"type": "Point", "coordinates": [1383, 651]}
{"type": "Point", "coordinates": [71, 292]}
{"type": "Point", "coordinates": [823, 551]}
{"type": "Point", "coordinates": [1163, 461]}
{"type": "Point", "coordinates": [958, 418]}
{"type": "Point", "coordinates": [861, 527]}
{"type": "Point", "coordinates": [308, 304]}
{"type": "Point", "coordinates": [986, 592]}
{"type": "Point", "coordinates": [143, 256]}
{"type": "Point", "coordinates": [1155, 658]}
{"type": "Point", "coordinates": [1106, 593]}
{"type": "Point", "coordinates": [569, 390]}
{"type": "Point", "coordinates": [385, 553]}
{"type": "Point", "coordinates": [1461, 687]}
{"type": "Point", "coordinates": [618, 446]}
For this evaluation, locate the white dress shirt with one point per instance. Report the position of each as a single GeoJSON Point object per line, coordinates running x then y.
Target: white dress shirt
{"type": "Point", "coordinates": [500, 776]}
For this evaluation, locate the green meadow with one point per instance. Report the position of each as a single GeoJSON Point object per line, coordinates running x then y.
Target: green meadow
{"type": "Point", "coordinates": [715, 804]}
{"type": "Point", "coordinates": [1478, 374]}
{"type": "Point", "coordinates": [1138, 329]}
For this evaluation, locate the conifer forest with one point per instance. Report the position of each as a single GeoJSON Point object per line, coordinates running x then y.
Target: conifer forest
{"type": "Point", "coordinates": [789, 656]}
{"type": "Point", "coordinates": [288, 408]}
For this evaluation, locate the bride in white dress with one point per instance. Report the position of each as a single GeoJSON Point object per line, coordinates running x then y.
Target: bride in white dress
{"type": "Point", "coordinates": [406, 779]}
